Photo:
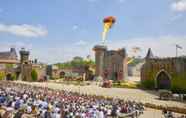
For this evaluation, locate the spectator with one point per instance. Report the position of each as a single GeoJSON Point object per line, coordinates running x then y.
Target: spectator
{"type": "Point", "coordinates": [26, 101]}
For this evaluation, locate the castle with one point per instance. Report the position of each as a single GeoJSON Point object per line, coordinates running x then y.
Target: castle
{"type": "Point", "coordinates": [19, 69]}
{"type": "Point", "coordinates": [110, 64]}
{"type": "Point", "coordinates": [164, 73]}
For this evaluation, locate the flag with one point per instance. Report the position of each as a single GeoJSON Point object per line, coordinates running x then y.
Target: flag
{"type": "Point", "coordinates": [178, 46]}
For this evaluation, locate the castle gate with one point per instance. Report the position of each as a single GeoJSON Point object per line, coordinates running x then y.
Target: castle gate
{"type": "Point", "coordinates": [163, 80]}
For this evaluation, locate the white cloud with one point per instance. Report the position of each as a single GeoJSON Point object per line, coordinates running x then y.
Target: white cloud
{"type": "Point", "coordinates": [24, 30]}
{"type": "Point", "coordinates": [163, 46]}
{"type": "Point", "coordinates": [5, 46]}
{"type": "Point", "coordinates": [61, 53]}
{"type": "Point", "coordinates": [175, 18]}
{"type": "Point", "coordinates": [80, 43]}
{"type": "Point", "coordinates": [75, 27]}
{"type": "Point", "coordinates": [179, 6]}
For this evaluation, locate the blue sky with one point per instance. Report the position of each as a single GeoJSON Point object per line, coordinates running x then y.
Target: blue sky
{"type": "Point", "coordinates": [57, 30]}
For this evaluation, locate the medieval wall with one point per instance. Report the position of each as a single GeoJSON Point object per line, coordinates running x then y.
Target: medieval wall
{"type": "Point", "coordinates": [174, 67]}
{"type": "Point", "coordinates": [40, 69]}
{"type": "Point", "coordinates": [26, 70]}
{"type": "Point", "coordinates": [111, 64]}
{"type": "Point", "coordinates": [115, 64]}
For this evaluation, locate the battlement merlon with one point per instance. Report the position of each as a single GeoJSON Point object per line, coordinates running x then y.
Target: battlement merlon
{"type": "Point", "coordinates": [100, 48]}
{"type": "Point", "coordinates": [164, 59]}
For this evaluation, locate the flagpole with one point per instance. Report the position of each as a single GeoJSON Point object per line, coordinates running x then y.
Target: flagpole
{"type": "Point", "coordinates": [177, 47]}
{"type": "Point", "coordinates": [176, 51]}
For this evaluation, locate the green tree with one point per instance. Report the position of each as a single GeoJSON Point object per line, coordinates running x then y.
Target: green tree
{"type": "Point", "coordinates": [77, 59]}
{"type": "Point", "coordinates": [14, 77]}
{"type": "Point", "coordinates": [34, 75]}
{"type": "Point", "coordinates": [9, 65]}
{"type": "Point", "coordinates": [2, 75]}
{"type": "Point", "coordinates": [75, 62]}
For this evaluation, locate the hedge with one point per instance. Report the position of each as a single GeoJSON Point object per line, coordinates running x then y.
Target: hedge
{"type": "Point", "coordinates": [2, 75]}
{"type": "Point", "coordinates": [34, 75]}
{"type": "Point", "coordinates": [178, 82]}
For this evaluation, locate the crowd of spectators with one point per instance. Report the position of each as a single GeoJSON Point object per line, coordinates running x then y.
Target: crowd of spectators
{"type": "Point", "coordinates": [25, 101]}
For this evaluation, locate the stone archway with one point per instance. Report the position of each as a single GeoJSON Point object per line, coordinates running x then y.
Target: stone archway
{"type": "Point", "coordinates": [163, 80]}
{"type": "Point", "coordinates": [8, 77]}
{"type": "Point", "coordinates": [62, 74]}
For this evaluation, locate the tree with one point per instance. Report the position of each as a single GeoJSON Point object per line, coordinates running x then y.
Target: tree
{"type": "Point", "coordinates": [14, 77]}
{"type": "Point", "coordinates": [34, 75]}
{"type": "Point", "coordinates": [9, 65]}
{"type": "Point", "coordinates": [2, 75]}
{"type": "Point", "coordinates": [75, 62]}
{"type": "Point", "coordinates": [77, 58]}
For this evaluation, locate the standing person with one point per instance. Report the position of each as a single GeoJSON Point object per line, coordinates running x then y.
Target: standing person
{"type": "Point", "coordinates": [62, 111]}
{"type": "Point", "coordinates": [19, 114]}
{"type": "Point", "coordinates": [2, 111]}
{"type": "Point", "coordinates": [84, 77]}
{"type": "Point", "coordinates": [47, 114]}
{"type": "Point", "coordinates": [100, 114]}
{"type": "Point", "coordinates": [114, 111]}
{"type": "Point", "coordinates": [8, 114]}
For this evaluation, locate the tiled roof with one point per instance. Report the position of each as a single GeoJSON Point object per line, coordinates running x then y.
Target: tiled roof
{"type": "Point", "coordinates": [10, 55]}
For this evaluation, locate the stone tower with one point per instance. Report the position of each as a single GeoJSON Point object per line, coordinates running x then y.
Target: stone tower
{"type": "Point", "coordinates": [25, 65]}
{"type": "Point", "coordinates": [24, 55]}
{"type": "Point", "coordinates": [99, 57]}
{"type": "Point", "coordinates": [110, 64]}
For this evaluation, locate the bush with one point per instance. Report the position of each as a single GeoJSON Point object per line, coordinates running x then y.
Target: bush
{"type": "Point", "coordinates": [13, 76]}
{"type": "Point", "coordinates": [123, 84]}
{"type": "Point", "coordinates": [34, 75]}
{"type": "Point", "coordinates": [148, 84]}
{"type": "Point", "coordinates": [2, 75]}
{"type": "Point", "coordinates": [178, 83]}
{"type": "Point", "coordinates": [178, 89]}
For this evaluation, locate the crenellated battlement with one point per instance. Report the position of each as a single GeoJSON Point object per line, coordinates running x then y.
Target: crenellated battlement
{"type": "Point", "coordinates": [110, 64]}
{"type": "Point", "coordinates": [156, 68]}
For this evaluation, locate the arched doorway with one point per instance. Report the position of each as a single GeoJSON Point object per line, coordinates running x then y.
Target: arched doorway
{"type": "Point", "coordinates": [8, 76]}
{"type": "Point", "coordinates": [62, 74]}
{"type": "Point", "coordinates": [163, 80]}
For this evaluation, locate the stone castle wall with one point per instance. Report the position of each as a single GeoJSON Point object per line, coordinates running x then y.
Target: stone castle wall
{"type": "Point", "coordinates": [171, 65]}
{"type": "Point", "coordinates": [174, 68]}
{"type": "Point", "coordinates": [110, 64]}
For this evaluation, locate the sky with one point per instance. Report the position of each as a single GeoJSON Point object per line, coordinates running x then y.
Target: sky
{"type": "Point", "coordinates": [57, 30]}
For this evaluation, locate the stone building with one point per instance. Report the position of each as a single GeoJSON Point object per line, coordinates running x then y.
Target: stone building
{"type": "Point", "coordinates": [20, 68]}
{"type": "Point", "coordinates": [9, 57]}
{"type": "Point", "coordinates": [164, 73]}
{"type": "Point", "coordinates": [53, 71]}
{"type": "Point", "coordinates": [110, 64]}
{"type": "Point", "coordinates": [40, 69]}
{"type": "Point", "coordinates": [8, 64]}
{"type": "Point", "coordinates": [25, 65]}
